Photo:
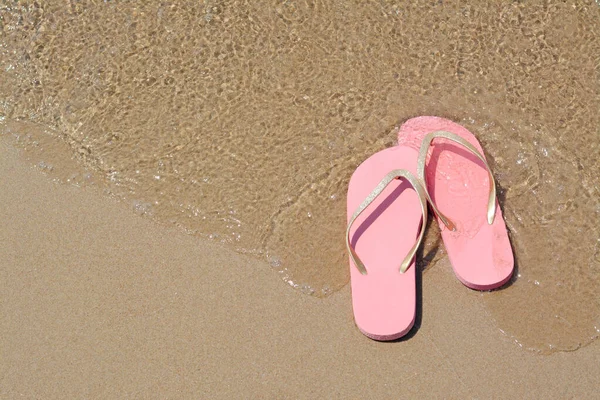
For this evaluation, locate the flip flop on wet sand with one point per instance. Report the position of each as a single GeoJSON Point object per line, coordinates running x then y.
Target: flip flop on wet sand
{"type": "Point", "coordinates": [462, 192]}
{"type": "Point", "coordinates": [387, 212]}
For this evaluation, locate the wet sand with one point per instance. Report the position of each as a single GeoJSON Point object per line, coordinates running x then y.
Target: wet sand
{"type": "Point", "coordinates": [97, 302]}
{"type": "Point", "coordinates": [241, 123]}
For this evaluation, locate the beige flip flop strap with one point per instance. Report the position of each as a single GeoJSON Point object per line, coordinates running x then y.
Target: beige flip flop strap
{"type": "Point", "coordinates": [395, 174]}
{"type": "Point", "coordinates": [491, 208]}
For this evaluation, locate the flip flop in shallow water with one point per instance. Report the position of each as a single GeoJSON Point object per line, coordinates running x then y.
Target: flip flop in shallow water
{"type": "Point", "coordinates": [387, 212]}
{"type": "Point", "coordinates": [462, 192]}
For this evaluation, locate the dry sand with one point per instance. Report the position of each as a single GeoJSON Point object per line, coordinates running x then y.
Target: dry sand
{"type": "Point", "coordinates": [97, 302]}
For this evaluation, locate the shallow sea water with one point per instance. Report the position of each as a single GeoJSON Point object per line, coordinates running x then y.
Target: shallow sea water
{"type": "Point", "coordinates": [242, 123]}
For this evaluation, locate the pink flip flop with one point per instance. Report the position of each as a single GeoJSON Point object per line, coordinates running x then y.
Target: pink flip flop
{"type": "Point", "coordinates": [462, 192]}
{"type": "Point", "coordinates": [387, 211]}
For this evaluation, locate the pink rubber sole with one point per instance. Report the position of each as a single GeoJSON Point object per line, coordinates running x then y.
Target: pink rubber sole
{"type": "Point", "coordinates": [480, 254]}
{"type": "Point", "coordinates": [384, 300]}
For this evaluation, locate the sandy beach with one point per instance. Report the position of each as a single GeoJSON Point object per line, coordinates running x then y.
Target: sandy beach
{"type": "Point", "coordinates": [173, 197]}
{"type": "Point", "coordinates": [98, 302]}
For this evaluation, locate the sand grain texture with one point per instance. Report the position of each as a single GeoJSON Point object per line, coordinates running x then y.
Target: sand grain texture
{"type": "Point", "coordinates": [97, 302]}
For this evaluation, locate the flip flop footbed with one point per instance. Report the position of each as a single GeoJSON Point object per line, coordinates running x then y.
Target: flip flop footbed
{"type": "Point", "coordinates": [458, 183]}
{"type": "Point", "coordinates": [384, 300]}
